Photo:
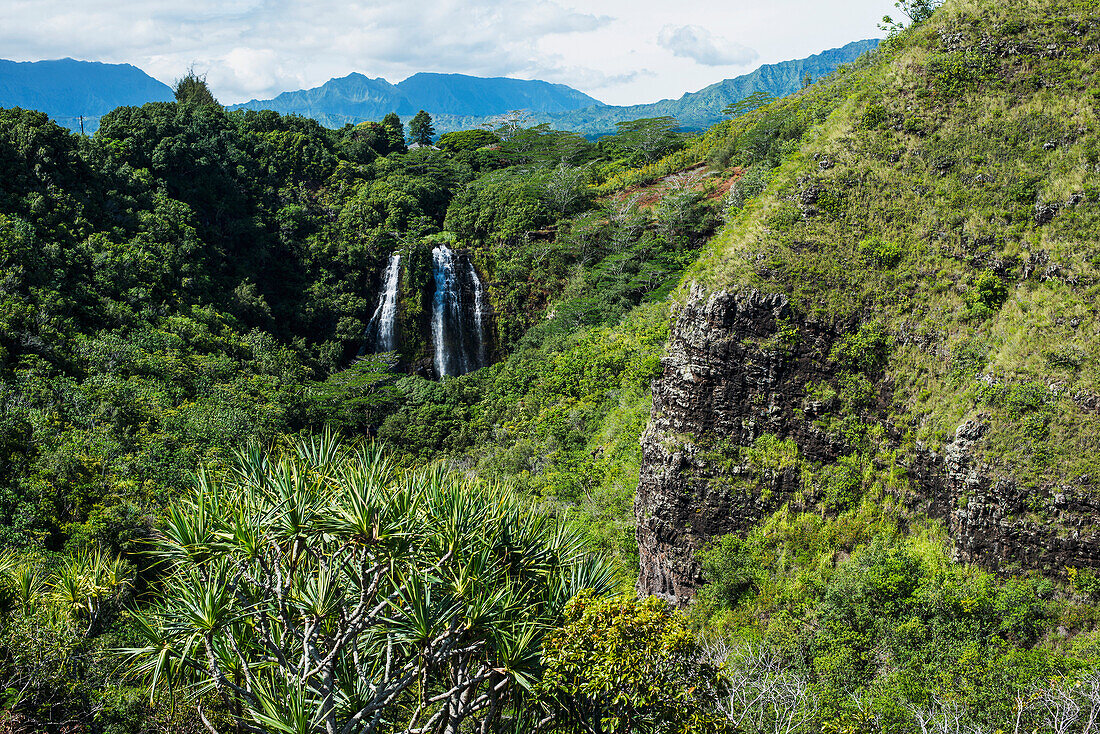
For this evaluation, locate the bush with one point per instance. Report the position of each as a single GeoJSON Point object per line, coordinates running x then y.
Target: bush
{"type": "Point", "coordinates": [730, 571]}
{"type": "Point", "coordinates": [621, 664]}
{"type": "Point", "coordinates": [986, 294]}
{"type": "Point", "coordinates": [865, 351]}
{"type": "Point", "coordinates": [750, 185]}
{"type": "Point", "coordinates": [883, 253]}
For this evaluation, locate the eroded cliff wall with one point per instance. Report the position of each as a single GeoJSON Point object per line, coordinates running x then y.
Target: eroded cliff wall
{"type": "Point", "coordinates": [741, 366]}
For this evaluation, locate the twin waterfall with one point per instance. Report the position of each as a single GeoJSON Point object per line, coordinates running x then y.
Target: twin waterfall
{"type": "Point", "coordinates": [458, 315]}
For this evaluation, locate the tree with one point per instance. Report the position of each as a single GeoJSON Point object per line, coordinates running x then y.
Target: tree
{"type": "Point", "coordinates": [653, 137]}
{"type": "Point", "coordinates": [565, 187]}
{"type": "Point", "coordinates": [193, 90]}
{"type": "Point", "coordinates": [917, 11]}
{"type": "Point", "coordinates": [356, 397]}
{"type": "Point", "coordinates": [466, 140]}
{"type": "Point", "coordinates": [754, 101]}
{"type": "Point", "coordinates": [507, 125]}
{"type": "Point", "coordinates": [421, 128]}
{"type": "Point", "coordinates": [394, 132]}
{"type": "Point", "coordinates": [759, 692]}
{"type": "Point", "coordinates": [624, 665]}
{"type": "Point", "coordinates": [322, 591]}
{"type": "Point", "coordinates": [50, 613]}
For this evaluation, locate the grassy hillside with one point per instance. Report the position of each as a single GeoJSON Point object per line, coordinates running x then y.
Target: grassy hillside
{"type": "Point", "coordinates": [949, 198]}
{"type": "Point", "coordinates": [922, 394]}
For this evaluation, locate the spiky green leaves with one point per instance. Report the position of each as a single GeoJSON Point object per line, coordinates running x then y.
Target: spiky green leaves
{"type": "Point", "coordinates": [323, 591]}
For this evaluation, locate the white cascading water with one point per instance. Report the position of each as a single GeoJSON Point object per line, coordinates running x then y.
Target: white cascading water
{"type": "Point", "coordinates": [445, 309]}
{"type": "Point", "coordinates": [384, 321]}
{"type": "Point", "coordinates": [479, 313]}
{"type": "Point", "coordinates": [457, 350]}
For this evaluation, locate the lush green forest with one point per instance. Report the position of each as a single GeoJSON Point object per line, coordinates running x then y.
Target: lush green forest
{"type": "Point", "coordinates": [189, 282]}
{"type": "Point", "coordinates": [220, 512]}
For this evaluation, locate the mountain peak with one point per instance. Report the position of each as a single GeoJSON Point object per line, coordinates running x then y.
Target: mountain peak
{"type": "Point", "coordinates": [69, 89]}
{"type": "Point", "coordinates": [356, 97]}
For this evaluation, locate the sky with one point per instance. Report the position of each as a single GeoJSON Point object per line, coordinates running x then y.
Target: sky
{"type": "Point", "coordinates": [618, 51]}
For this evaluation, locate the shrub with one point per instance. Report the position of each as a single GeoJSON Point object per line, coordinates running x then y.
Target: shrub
{"type": "Point", "coordinates": [750, 185]}
{"type": "Point", "coordinates": [873, 117]}
{"type": "Point", "coordinates": [883, 253]}
{"type": "Point", "coordinates": [987, 293]}
{"type": "Point", "coordinates": [865, 351]}
{"type": "Point", "coordinates": [730, 571]}
{"type": "Point", "coordinates": [621, 664]}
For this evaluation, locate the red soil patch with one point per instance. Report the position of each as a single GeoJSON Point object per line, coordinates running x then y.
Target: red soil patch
{"type": "Point", "coordinates": [650, 194]}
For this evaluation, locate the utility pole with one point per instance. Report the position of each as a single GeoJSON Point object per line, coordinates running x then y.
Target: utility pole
{"type": "Point", "coordinates": [82, 124]}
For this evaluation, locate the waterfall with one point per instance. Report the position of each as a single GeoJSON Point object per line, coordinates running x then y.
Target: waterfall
{"type": "Point", "coordinates": [479, 312]}
{"type": "Point", "coordinates": [445, 309]}
{"type": "Point", "coordinates": [459, 308]}
{"type": "Point", "coordinates": [384, 321]}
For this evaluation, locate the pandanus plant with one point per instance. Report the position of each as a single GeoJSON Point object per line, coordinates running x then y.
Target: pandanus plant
{"type": "Point", "coordinates": [321, 590]}
{"type": "Point", "coordinates": [82, 588]}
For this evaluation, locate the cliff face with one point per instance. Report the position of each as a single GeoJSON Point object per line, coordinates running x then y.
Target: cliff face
{"type": "Point", "coordinates": [728, 379]}
{"type": "Point", "coordinates": [900, 320]}
{"type": "Point", "coordinates": [1000, 526]}
{"type": "Point", "coordinates": [723, 380]}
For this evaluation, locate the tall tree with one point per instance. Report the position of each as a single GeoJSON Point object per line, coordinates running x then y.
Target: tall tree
{"type": "Point", "coordinates": [193, 90]}
{"type": "Point", "coordinates": [653, 137]}
{"type": "Point", "coordinates": [421, 128]}
{"type": "Point", "coordinates": [395, 133]}
{"type": "Point", "coordinates": [755, 101]}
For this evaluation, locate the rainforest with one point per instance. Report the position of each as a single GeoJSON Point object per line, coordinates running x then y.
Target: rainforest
{"type": "Point", "coordinates": [791, 425]}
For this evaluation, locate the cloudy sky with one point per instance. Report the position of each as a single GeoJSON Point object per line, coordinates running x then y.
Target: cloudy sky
{"type": "Point", "coordinates": [619, 51]}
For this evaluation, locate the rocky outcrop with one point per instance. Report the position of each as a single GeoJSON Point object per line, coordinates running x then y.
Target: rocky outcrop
{"type": "Point", "coordinates": [733, 372]}
{"type": "Point", "coordinates": [1003, 527]}
{"type": "Point", "coordinates": [728, 378]}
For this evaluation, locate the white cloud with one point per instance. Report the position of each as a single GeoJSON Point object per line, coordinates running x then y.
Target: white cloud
{"type": "Point", "coordinates": [697, 43]}
{"type": "Point", "coordinates": [251, 48]}
{"type": "Point", "coordinates": [255, 70]}
{"type": "Point", "coordinates": [585, 78]}
{"type": "Point", "coordinates": [258, 48]}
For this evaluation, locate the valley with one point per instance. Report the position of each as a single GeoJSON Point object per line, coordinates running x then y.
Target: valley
{"type": "Point", "coordinates": [785, 425]}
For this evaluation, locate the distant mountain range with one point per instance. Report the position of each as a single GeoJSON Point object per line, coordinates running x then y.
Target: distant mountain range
{"type": "Point", "coordinates": [68, 89]}
{"type": "Point", "coordinates": [699, 110]}
{"type": "Point", "coordinates": [458, 102]}
{"type": "Point", "coordinates": [355, 98]}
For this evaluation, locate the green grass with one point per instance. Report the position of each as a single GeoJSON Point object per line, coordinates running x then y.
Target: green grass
{"type": "Point", "coordinates": [942, 145]}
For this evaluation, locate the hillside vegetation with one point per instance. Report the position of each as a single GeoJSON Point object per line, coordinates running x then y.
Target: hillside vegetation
{"type": "Point", "coordinates": [948, 201]}
{"type": "Point", "coordinates": [924, 224]}
{"type": "Point", "coordinates": [183, 302]}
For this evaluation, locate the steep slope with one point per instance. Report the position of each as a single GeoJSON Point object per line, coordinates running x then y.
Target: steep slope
{"type": "Point", "coordinates": [904, 322]}
{"type": "Point", "coordinates": [67, 89]}
{"type": "Point", "coordinates": [356, 98]}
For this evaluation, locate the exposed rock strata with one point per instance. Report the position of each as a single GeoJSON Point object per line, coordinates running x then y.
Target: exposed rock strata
{"type": "Point", "coordinates": [1002, 527]}
{"type": "Point", "coordinates": [725, 381]}
{"type": "Point", "coordinates": [722, 378]}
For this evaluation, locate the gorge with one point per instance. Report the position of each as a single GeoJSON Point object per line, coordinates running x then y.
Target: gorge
{"type": "Point", "coordinates": [818, 387]}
